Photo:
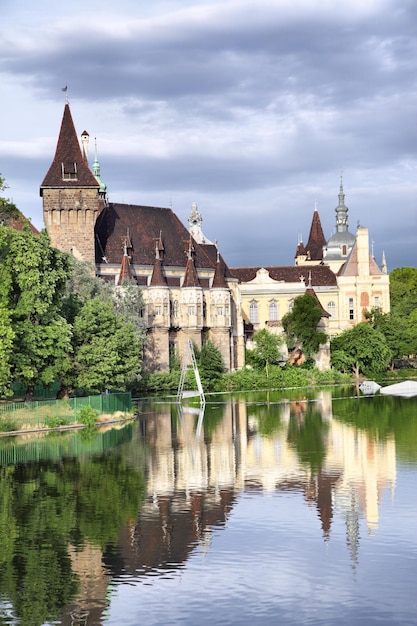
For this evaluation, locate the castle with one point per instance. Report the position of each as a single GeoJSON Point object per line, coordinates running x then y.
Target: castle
{"type": "Point", "coordinates": [188, 289]}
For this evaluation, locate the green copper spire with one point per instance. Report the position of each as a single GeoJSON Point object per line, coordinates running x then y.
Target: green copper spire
{"type": "Point", "coordinates": [96, 170]}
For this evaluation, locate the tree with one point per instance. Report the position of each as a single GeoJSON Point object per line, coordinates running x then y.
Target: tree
{"type": "Point", "coordinates": [106, 348]}
{"type": "Point", "coordinates": [6, 347]}
{"type": "Point", "coordinates": [97, 360]}
{"type": "Point", "coordinates": [361, 349]}
{"type": "Point", "coordinates": [32, 282]}
{"type": "Point", "coordinates": [301, 325]}
{"type": "Point", "coordinates": [211, 364]}
{"type": "Point", "coordinates": [8, 211]}
{"type": "Point", "coordinates": [267, 350]}
{"type": "Point", "coordinates": [397, 330]}
{"type": "Point", "coordinates": [403, 290]}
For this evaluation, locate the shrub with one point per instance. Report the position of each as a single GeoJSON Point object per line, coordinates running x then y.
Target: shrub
{"type": "Point", "coordinates": [7, 425]}
{"type": "Point", "coordinates": [87, 415]}
{"type": "Point", "coordinates": [55, 422]}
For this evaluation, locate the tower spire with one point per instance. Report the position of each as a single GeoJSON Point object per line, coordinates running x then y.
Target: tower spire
{"type": "Point", "coordinates": [96, 170]}
{"type": "Point", "coordinates": [341, 210]}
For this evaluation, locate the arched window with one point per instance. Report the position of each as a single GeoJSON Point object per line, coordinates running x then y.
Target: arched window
{"type": "Point", "coordinates": [253, 312]}
{"type": "Point", "coordinates": [273, 311]}
{"type": "Point", "coordinates": [344, 250]}
{"type": "Point", "coordinates": [331, 309]}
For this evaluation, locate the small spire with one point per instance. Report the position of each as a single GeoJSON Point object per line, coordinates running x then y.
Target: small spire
{"type": "Point", "coordinates": [96, 169]}
{"type": "Point", "coordinates": [384, 264]}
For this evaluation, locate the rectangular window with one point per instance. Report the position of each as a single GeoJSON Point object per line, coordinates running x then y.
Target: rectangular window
{"type": "Point", "coordinates": [377, 302]}
{"type": "Point", "coordinates": [191, 310]}
{"type": "Point", "coordinates": [351, 309]}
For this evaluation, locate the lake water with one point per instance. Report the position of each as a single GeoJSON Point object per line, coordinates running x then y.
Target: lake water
{"type": "Point", "coordinates": [293, 507]}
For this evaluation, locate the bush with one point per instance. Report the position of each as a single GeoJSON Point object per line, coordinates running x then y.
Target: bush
{"type": "Point", "coordinates": [55, 422]}
{"type": "Point", "coordinates": [87, 415]}
{"type": "Point", "coordinates": [7, 425]}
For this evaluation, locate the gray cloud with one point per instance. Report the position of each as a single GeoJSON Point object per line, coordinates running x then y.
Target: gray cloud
{"type": "Point", "coordinates": [254, 113]}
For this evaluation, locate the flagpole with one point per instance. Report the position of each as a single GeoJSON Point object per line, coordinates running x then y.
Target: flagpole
{"type": "Point", "coordinates": [65, 89]}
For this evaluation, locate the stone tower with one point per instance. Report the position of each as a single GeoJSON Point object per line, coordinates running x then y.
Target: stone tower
{"type": "Point", "coordinates": [220, 313]}
{"type": "Point", "coordinates": [71, 196]}
{"type": "Point", "coordinates": [158, 311]}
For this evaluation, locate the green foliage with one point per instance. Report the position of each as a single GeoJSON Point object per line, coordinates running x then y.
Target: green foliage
{"type": "Point", "coordinates": [399, 327]}
{"type": "Point", "coordinates": [8, 425]}
{"type": "Point", "coordinates": [307, 435]}
{"type": "Point", "coordinates": [210, 364]}
{"type": "Point", "coordinates": [8, 211]}
{"type": "Point", "coordinates": [50, 509]}
{"type": "Point", "coordinates": [398, 331]}
{"type": "Point", "coordinates": [55, 421]}
{"type": "Point", "coordinates": [361, 349]}
{"type": "Point", "coordinates": [266, 351]}
{"type": "Point", "coordinates": [108, 332]}
{"type": "Point", "coordinates": [280, 378]}
{"type": "Point", "coordinates": [107, 351]}
{"type": "Point", "coordinates": [88, 416]}
{"type": "Point", "coordinates": [403, 291]}
{"type": "Point", "coordinates": [160, 381]}
{"type": "Point", "coordinates": [32, 282]}
{"type": "Point", "coordinates": [6, 346]}
{"type": "Point", "coordinates": [301, 325]}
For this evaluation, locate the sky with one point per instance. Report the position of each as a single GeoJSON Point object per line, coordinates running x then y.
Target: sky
{"type": "Point", "coordinates": [253, 109]}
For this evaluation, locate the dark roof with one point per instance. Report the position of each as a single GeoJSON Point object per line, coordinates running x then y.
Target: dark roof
{"type": "Point", "coordinates": [190, 276]}
{"type": "Point", "coordinates": [219, 281]}
{"type": "Point", "coordinates": [125, 271]}
{"type": "Point", "coordinates": [300, 251]}
{"type": "Point", "coordinates": [212, 252]}
{"type": "Point", "coordinates": [68, 160]}
{"type": "Point", "coordinates": [144, 224]}
{"type": "Point", "coordinates": [321, 275]}
{"type": "Point", "coordinates": [316, 239]}
{"type": "Point", "coordinates": [158, 279]}
{"type": "Point", "coordinates": [18, 221]}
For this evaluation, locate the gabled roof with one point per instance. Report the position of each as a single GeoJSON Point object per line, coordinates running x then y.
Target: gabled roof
{"type": "Point", "coordinates": [316, 239]}
{"type": "Point", "coordinates": [350, 267]}
{"type": "Point", "coordinates": [145, 224]}
{"type": "Point", "coordinates": [69, 168]}
{"type": "Point", "coordinates": [321, 275]}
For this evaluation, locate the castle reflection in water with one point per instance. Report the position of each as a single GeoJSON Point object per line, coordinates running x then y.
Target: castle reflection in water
{"type": "Point", "coordinates": [197, 467]}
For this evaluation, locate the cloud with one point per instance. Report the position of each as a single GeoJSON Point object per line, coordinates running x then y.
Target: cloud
{"type": "Point", "coordinates": [243, 107]}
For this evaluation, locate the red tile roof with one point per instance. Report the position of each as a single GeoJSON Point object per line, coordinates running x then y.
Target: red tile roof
{"type": "Point", "coordinates": [158, 279]}
{"type": "Point", "coordinates": [190, 276]}
{"type": "Point", "coordinates": [145, 224]}
{"type": "Point", "coordinates": [316, 239]}
{"type": "Point", "coordinates": [321, 275]}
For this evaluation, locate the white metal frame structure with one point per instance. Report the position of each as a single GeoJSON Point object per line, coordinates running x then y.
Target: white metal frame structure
{"type": "Point", "coordinates": [189, 361]}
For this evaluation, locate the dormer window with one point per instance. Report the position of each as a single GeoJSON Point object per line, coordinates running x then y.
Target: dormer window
{"type": "Point", "coordinates": [69, 171]}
